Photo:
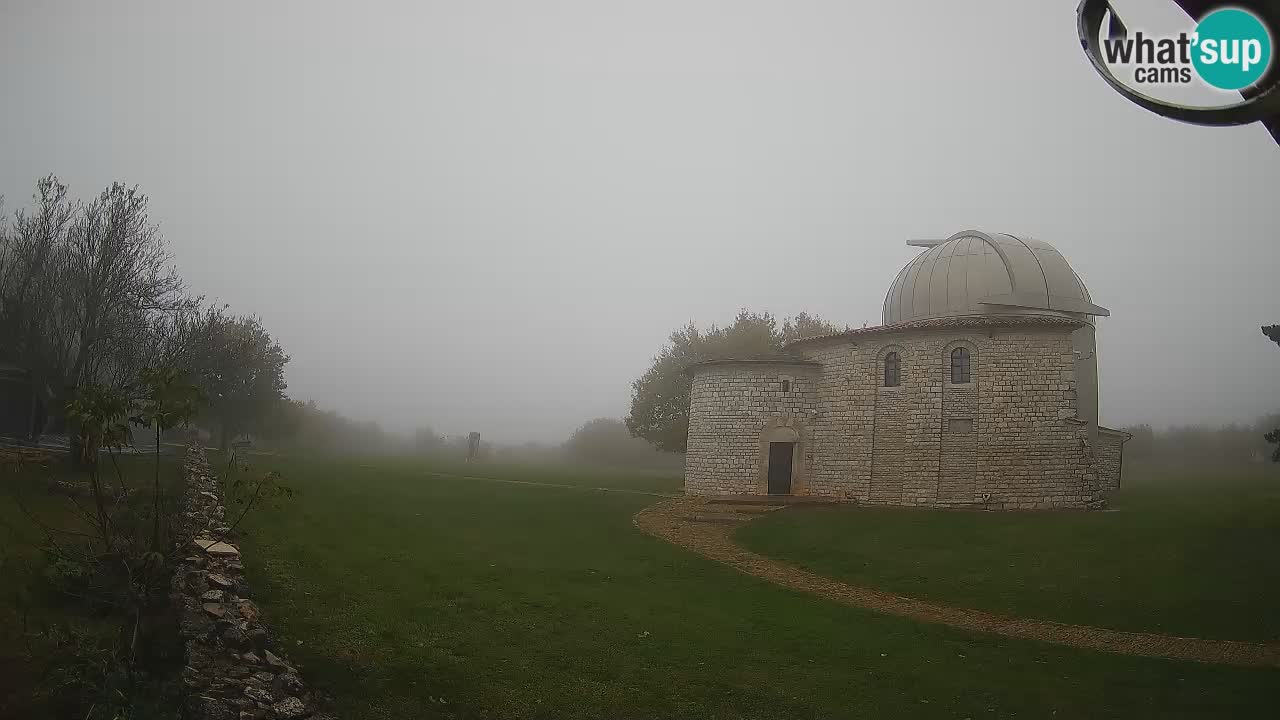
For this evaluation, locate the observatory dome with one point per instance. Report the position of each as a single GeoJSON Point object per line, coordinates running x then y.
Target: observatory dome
{"type": "Point", "coordinates": [978, 273]}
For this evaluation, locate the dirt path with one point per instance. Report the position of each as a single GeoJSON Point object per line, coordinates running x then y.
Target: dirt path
{"type": "Point", "coordinates": [705, 527]}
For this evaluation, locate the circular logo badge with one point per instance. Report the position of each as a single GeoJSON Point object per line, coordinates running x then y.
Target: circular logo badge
{"type": "Point", "coordinates": [1232, 49]}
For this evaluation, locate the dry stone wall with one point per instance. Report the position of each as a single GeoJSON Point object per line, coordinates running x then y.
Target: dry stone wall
{"type": "Point", "coordinates": [1008, 439]}
{"type": "Point", "coordinates": [234, 669]}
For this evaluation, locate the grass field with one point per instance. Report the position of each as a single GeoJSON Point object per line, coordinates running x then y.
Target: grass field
{"type": "Point", "coordinates": [1184, 554]}
{"type": "Point", "coordinates": [630, 480]}
{"type": "Point", "coordinates": [406, 594]}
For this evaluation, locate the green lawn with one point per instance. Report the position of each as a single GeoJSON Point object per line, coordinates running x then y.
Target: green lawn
{"type": "Point", "coordinates": [639, 480]}
{"type": "Point", "coordinates": [1184, 554]}
{"type": "Point", "coordinates": [415, 595]}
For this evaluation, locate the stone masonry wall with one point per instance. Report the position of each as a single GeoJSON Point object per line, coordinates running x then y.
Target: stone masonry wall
{"type": "Point", "coordinates": [1030, 453]}
{"type": "Point", "coordinates": [958, 461]}
{"type": "Point", "coordinates": [1006, 440]}
{"type": "Point", "coordinates": [731, 407]}
{"type": "Point", "coordinates": [234, 671]}
{"type": "Point", "coordinates": [1110, 458]}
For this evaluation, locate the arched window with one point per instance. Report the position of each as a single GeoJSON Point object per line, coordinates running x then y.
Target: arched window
{"type": "Point", "coordinates": [892, 370]}
{"type": "Point", "coordinates": [960, 365]}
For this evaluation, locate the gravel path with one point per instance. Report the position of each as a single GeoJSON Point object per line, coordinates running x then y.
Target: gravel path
{"type": "Point", "coordinates": [705, 527]}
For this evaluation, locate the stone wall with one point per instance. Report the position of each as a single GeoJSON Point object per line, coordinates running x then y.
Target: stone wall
{"type": "Point", "coordinates": [234, 669]}
{"type": "Point", "coordinates": [1110, 457]}
{"type": "Point", "coordinates": [958, 463]}
{"type": "Point", "coordinates": [735, 408]}
{"type": "Point", "coordinates": [1030, 455]}
{"type": "Point", "coordinates": [1008, 439]}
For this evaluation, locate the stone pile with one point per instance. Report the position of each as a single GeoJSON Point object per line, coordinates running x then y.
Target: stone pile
{"type": "Point", "coordinates": [233, 671]}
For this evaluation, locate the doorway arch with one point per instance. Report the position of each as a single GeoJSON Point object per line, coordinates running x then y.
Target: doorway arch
{"type": "Point", "coordinates": [781, 461]}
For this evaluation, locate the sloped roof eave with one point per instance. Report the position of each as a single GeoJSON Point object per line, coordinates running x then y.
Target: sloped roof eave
{"type": "Point", "coordinates": [952, 322]}
{"type": "Point", "coordinates": [783, 361]}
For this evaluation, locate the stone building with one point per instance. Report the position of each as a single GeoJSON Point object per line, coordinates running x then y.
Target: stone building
{"type": "Point", "coordinates": [979, 390]}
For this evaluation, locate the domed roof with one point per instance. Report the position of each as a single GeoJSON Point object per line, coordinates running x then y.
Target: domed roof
{"type": "Point", "coordinates": [978, 273]}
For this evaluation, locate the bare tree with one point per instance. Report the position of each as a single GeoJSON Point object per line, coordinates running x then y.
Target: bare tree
{"type": "Point", "coordinates": [31, 255]}
{"type": "Point", "coordinates": [117, 275]}
{"type": "Point", "coordinates": [83, 287]}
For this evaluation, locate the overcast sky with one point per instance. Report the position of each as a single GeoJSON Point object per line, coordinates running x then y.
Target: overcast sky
{"type": "Point", "coordinates": [490, 215]}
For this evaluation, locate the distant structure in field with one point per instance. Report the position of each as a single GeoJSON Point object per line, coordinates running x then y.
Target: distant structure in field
{"type": "Point", "coordinates": [979, 390]}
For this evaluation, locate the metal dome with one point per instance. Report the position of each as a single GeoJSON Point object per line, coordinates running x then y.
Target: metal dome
{"type": "Point", "coordinates": [978, 273]}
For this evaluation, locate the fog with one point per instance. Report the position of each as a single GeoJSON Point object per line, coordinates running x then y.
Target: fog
{"type": "Point", "coordinates": [489, 215]}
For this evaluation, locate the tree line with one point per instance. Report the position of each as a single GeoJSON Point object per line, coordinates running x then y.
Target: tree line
{"type": "Point", "coordinates": [1229, 445]}
{"type": "Point", "coordinates": [89, 296]}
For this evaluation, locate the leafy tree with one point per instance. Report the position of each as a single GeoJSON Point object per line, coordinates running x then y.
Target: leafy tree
{"type": "Point", "coordinates": [805, 325]}
{"type": "Point", "coordinates": [301, 425]}
{"type": "Point", "coordinates": [168, 400]}
{"type": "Point", "coordinates": [286, 421]}
{"type": "Point", "coordinates": [606, 441]}
{"type": "Point", "coordinates": [121, 563]}
{"type": "Point", "coordinates": [100, 417]}
{"type": "Point", "coordinates": [240, 368]}
{"type": "Point", "coordinates": [660, 397]}
{"type": "Point", "coordinates": [117, 565]}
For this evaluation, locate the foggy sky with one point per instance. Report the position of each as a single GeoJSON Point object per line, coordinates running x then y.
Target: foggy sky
{"type": "Point", "coordinates": [490, 215]}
